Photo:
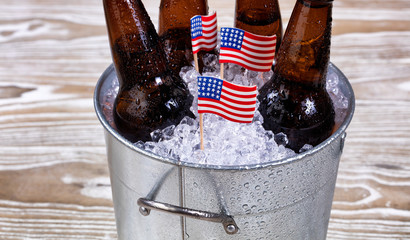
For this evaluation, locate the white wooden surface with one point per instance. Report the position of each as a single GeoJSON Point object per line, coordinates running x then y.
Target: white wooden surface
{"type": "Point", "coordinates": [54, 180]}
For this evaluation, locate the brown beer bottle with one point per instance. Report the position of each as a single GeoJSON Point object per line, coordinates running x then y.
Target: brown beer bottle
{"type": "Point", "coordinates": [150, 96]}
{"type": "Point", "coordinates": [175, 30]}
{"type": "Point", "coordinates": [260, 17]}
{"type": "Point", "coordinates": [294, 101]}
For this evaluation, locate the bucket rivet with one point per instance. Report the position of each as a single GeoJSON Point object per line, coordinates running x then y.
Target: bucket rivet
{"type": "Point", "coordinates": [231, 228]}
{"type": "Point", "coordinates": [144, 211]}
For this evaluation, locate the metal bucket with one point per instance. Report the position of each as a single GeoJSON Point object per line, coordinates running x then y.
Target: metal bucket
{"type": "Point", "coordinates": [159, 198]}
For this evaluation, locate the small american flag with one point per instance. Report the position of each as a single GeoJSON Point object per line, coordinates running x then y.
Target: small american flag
{"type": "Point", "coordinates": [204, 32]}
{"type": "Point", "coordinates": [254, 52]}
{"type": "Point", "coordinates": [230, 101]}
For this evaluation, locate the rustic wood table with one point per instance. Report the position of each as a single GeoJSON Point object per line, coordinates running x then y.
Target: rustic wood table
{"type": "Point", "coordinates": [54, 179]}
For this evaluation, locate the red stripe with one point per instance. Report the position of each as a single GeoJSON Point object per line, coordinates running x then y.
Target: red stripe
{"type": "Point", "coordinates": [227, 118]}
{"type": "Point", "coordinates": [203, 49]}
{"type": "Point", "coordinates": [270, 47]}
{"type": "Point", "coordinates": [200, 42]}
{"type": "Point", "coordinates": [237, 101]}
{"type": "Point", "coordinates": [211, 31]}
{"type": "Point", "coordinates": [227, 105]}
{"type": "Point", "coordinates": [208, 17]}
{"type": "Point", "coordinates": [246, 60]}
{"type": "Point", "coordinates": [272, 50]}
{"type": "Point", "coordinates": [238, 87]}
{"type": "Point", "coordinates": [238, 95]}
{"type": "Point", "coordinates": [267, 69]}
{"type": "Point", "coordinates": [259, 37]}
{"type": "Point", "coordinates": [205, 37]}
{"type": "Point", "coordinates": [203, 43]}
{"type": "Point", "coordinates": [226, 111]}
{"type": "Point", "coordinates": [245, 54]}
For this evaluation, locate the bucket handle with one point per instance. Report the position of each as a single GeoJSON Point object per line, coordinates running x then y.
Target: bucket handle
{"type": "Point", "coordinates": [147, 205]}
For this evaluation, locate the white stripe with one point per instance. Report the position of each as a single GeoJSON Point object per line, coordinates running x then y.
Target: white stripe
{"type": "Point", "coordinates": [211, 33]}
{"type": "Point", "coordinates": [250, 59]}
{"type": "Point", "coordinates": [236, 104]}
{"type": "Point", "coordinates": [266, 49]}
{"type": "Point", "coordinates": [273, 41]}
{"type": "Point", "coordinates": [244, 62]}
{"type": "Point", "coordinates": [245, 100]}
{"type": "Point", "coordinates": [209, 21]}
{"type": "Point", "coordinates": [226, 108]}
{"type": "Point", "coordinates": [266, 54]}
{"type": "Point", "coordinates": [204, 40]}
{"type": "Point", "coordinates": [237, 98]}
{"type": "Point", "coordinates": [239, 92]}
{"type": "Point", "coordinates": [225, 114]}
{"type": "Point", "coordinates": [194, 48]}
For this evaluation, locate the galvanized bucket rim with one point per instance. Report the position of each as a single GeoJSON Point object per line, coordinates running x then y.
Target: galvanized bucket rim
{"type": "Point", "coordinates": [340, 131]}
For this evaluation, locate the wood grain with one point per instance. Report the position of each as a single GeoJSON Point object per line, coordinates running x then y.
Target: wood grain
{"type": "Point", "coordinates": [54, 180]}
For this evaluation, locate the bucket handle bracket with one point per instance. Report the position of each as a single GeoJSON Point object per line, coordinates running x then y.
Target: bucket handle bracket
{"type": "Point", "coordinates": [227, 221]}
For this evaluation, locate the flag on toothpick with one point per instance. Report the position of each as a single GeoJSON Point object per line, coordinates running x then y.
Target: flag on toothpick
{"type": "Point", "coordinates": [231, 101]}
{"type": "Point", "coordinates": [254, 52]}
{"type": "Point", "coordinates": [204, 32]}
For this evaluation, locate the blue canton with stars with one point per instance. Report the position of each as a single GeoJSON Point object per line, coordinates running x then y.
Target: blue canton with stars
{"type": "Point", "coordinates": [210, 87]}
{"type": "Point", "coordinates": [196, 27]}
{"type": "Point", "coordinates": [232, 37]}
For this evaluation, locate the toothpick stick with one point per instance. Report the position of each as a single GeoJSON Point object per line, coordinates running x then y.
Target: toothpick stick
{"type": "Point", "coordinates": [201, 118]}
{"type": "Point", "coordinates": [201, 129]}
{"type": "Point", "coordinates": [196, 62]}
{"type": "Point", "coordinates": [222, 71]}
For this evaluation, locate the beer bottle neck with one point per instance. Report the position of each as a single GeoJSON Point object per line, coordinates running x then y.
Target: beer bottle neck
{"type": "Point", "coordinates": [133, 38]}
{"type": "Point", "coordinates": [304, 54]}
{"type": "Point", "coordinates": [177, 13]}
{"type": "Point", "coordinates": [260, 17]}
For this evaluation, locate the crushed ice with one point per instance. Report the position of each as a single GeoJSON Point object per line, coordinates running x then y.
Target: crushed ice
{"type": "Point", "coordinates": [225, 142]}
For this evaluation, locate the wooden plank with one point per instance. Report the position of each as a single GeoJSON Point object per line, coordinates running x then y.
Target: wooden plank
{"type": "Point", "coordinates": [54, 181]}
